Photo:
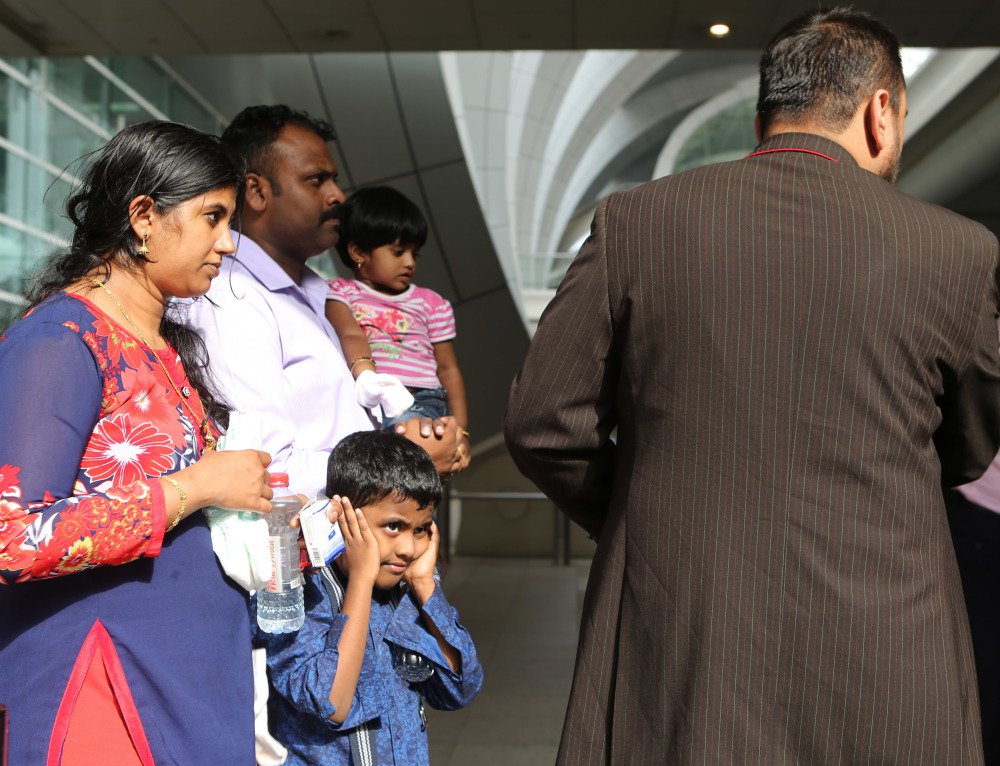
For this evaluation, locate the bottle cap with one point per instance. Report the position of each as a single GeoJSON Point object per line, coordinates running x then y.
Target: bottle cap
{"type": "Point", "coordinates": [277, 479]}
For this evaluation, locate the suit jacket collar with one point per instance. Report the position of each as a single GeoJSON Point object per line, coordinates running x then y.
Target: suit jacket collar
{"type": "Point", "coordinates": [810, 142]}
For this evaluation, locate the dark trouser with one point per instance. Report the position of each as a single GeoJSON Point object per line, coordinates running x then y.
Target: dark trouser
{"type": "Point", "coordinates": [976, 533]}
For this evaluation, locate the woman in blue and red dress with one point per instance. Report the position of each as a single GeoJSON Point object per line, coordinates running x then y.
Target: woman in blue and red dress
{"type": "Point", "coordinates": [121, 641]}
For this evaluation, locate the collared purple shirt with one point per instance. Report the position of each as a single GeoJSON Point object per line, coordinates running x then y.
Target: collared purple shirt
{"type": "Point", "coordinates": [985, 490]}
{"type": "Point", "coordinates": [273, 353]}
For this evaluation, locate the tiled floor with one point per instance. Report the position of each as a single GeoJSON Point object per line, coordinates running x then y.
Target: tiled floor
{"type": "Point", "coordinates": [523, 615]}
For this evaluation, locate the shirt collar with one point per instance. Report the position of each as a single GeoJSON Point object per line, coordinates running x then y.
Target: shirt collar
{"type": "Point", "coordinates": [267, 271]}
{"type": "Point", "coordinates": [809, 141]}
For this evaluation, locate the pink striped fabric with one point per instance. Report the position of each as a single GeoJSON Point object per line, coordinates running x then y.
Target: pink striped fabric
{"type": "Point", "coordinates": [402, 329]}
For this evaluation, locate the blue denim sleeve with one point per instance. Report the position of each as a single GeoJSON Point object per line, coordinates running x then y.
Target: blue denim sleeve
{"type": "Point", "coordinates": [446, 689]}
{"type": "Point", "coordinates": [302, 665]}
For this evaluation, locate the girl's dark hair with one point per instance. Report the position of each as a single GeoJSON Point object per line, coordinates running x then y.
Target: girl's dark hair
{"type": "Point", "coordinates": [170, 163]}
{"type": "Point", "coordinates": [370, 466]}
{"type": "Point", "coordinates": [376, 216]}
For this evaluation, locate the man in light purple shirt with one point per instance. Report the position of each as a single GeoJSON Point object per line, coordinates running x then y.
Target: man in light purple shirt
{"type": "Point", "coordinates": [272, 351]}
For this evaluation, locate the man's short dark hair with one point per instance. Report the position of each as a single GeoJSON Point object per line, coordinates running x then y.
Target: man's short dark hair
{"type": "Point", "coordinates": [252, 134]}
{"type": "Point", "coordinates": [370, 466]}
{"type": "Point", "coordinates": [823, 64]}
{"type": "Point", "coordinates": [377, 216]}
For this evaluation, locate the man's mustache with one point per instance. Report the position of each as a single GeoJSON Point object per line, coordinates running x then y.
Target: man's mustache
{"type": "Point", "coordinates": [331, 214]}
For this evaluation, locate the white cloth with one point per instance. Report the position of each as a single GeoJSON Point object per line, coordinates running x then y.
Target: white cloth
{"type": "Point", "coordinates": [379, 389]}
{"type": "Point", "coordinates": [273, 353]}
{"type": "Point", "coordinates": [240, 538]}
{"type": "Point", "coordinates": [268, 751]}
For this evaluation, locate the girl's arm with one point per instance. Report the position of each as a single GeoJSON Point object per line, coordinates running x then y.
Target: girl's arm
{"type": "Point", "coordinates": [451, 378]}
{"type": "Point", "coordinates": [361, 560]}
{"type": "Point", "coordinates": [353, 340]}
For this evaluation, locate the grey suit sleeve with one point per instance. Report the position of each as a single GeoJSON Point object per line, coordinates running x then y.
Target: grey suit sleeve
{"type": "Point", "coordinates": [561, 410]}
{"type": "Point", "coordinates": [969, 435]}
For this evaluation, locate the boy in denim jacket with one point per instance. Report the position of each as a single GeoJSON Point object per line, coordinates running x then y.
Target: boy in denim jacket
{"type": "Point", "coordinates": [379, 638]}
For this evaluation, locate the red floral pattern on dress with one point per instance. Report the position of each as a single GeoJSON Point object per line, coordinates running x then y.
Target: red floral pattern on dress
{"type": "Point", "coordinates": [12, 525]}
{"type": "Point", "coordinates": [111, 518]}
{"type": "Point", "coordinates": [126, 452]}
{"type": "Point", "coordinates": [143, 397]}
{"type": "Point", "coordinates": [123, 349]}
{"type": "Point", "coordinates": [8, 481]}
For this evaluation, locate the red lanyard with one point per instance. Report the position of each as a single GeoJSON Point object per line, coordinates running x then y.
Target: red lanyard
{"type": "Point", "coordinates": [803, 151]}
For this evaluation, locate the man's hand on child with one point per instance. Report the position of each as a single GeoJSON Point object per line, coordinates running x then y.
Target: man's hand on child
{"type": "Point", "coordinates": [441, 438]}
{"type": "Point", "coordinates": [361, 556]}
{"type": "Point", "coordinates": [419, 575]}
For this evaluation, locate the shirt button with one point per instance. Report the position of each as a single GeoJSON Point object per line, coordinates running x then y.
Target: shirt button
{"type": "Point", "coordinates": [399, 735]}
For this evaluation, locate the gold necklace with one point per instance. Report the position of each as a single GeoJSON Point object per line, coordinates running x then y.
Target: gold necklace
{"type": "Point", "coordinates": [206, 429]}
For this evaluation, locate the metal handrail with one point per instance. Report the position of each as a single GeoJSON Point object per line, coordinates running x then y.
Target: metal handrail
{"type": "Point", "coordinates": [560, 522]}
{"type": "Point", "coordinates": [498, 496]}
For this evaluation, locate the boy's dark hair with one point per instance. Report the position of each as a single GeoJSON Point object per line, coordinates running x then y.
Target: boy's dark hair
{"type": "Point", "coordinates": [253, 132]}
{"type": "Point", "coordinates": [377, 216]}
{"type": "Point", "coordinates": [823, 64]}
{"type": "Point", "coordinates": [370, 466]}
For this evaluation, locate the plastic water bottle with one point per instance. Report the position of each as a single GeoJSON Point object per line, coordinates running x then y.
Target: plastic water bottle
{"type": "Point", "coordinates": [280, 607]}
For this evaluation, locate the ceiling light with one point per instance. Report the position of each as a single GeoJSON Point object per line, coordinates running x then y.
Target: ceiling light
{"type": "Point", "coordinates": [719, 30]}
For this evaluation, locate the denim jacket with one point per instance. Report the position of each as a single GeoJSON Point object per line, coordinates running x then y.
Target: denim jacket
{"type": "Point", "coordinates": [302, 666]}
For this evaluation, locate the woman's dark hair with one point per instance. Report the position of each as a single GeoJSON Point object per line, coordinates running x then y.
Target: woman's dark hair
{"type": "Point", "coordinates": [377, 216]}
{"type": "Point", "coordinates": [171, 164]}
{"type": "Point", "coordinates": [370, 466]}
{"type": "Point", "coordinates": [823, 64]}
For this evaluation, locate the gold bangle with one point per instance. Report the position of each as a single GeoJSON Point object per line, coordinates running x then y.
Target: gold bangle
{"type": "Point", "coordinates": [466, 434]}
{"type": "Point", "coordinates": [184, 501]}
{"type": "Point", "coordinates": [361, 359]}
{"type": "Point", "coordinates": [460, 451]}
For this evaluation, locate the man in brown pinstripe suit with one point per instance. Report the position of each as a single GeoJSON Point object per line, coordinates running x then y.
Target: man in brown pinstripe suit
{"type": "Point", "coordinates": [796, 356]}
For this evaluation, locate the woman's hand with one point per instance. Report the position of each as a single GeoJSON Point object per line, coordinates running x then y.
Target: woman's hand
{"type": "Point", "coordinates": [419, 575]}
{"type": "Point", "coordinates": [234, 479]}
{"type": "Point", "coordinates": [361, 558]}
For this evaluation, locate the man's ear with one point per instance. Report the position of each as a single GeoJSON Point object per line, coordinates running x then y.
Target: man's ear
{"type": "Point", "coordinates": [257, 193]}
{"type": "Point", "coordinates": [878, 117]}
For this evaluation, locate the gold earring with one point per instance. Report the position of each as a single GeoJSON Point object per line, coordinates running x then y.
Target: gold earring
{"type": "Point", "coordinates": [142, 249]}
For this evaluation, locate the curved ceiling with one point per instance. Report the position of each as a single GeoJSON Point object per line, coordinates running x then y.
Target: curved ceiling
{"type": "Point", "coordinates": [173, 27]}
{"type": "Point", "coordinates": [546, 134]}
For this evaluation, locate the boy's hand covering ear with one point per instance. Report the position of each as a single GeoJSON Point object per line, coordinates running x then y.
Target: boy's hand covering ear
{"type": "Point", "coordinates": [378, 388]}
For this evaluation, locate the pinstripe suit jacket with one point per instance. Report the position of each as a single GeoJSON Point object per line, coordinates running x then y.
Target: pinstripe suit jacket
{"type": "Point", "coordinates": [796, 355]}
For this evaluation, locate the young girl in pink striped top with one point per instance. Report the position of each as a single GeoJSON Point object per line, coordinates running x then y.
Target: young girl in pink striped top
{"type": "Point", "coordinates": [383, 320]}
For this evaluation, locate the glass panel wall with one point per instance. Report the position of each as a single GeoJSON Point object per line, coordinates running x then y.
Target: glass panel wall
{"type": "Point", "coordinates": [726, 136]}
{"type": "Point", "coordinates": [52, 112]}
